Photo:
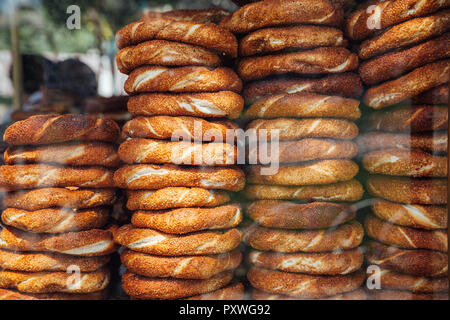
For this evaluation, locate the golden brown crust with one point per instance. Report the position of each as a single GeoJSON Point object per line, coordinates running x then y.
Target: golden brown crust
{"type": "Point", "coordinates": [396, 63]}
{"type": "Point", "coordinates": [406, 295]}
{"type": "Point", "coordinates": [279, 12]}
{"type": "Point", "coordinates": [41, 261]}
{"type": "Point", "coordinates": [292, 129]}
{"type": "Point", "coordinates": [311, 173]}
{"type": "Point", "coordinates": [304, 105]}
{"type": "Point", "coordinates": [436, 95]}
{"type": "Point", "coordinates": [29, 176]}
{"type": "Point", "coordinates": [329, 263]}
{"type": "Point", "coordinates": [212, 15]}
{"type": "Point", "coordinates": [185, 267]}
{"type": "Point", "coordinates": [207, 35]}
{"type": "Point", "coordinates": [426, 263]}
{"type": "Point", "coordinates": [315, 61]}
{"type": "Point", "coordinates": [74, 154]}
{"type": "Point", "coordinates": [410, 119]}
{"type": "Point", "coordinates": [182, 79]}
{"type": "Point", "coordinates": [358, 294]}
{"type": "Point", "coordinates": [137, 150]}
{"type": "Point", "coordinates": [343, 237]}
{"type": "Point", "coordinates": [49, 282]}
{"type": "Point", "coordinates": [271, 40]}
{"type": "Point", "coordinates": [164, 53]}
{"type": "Point", "coordinates": [414, 216]}
{"type": "Point", "coordinates": [402, 162]}
{"type": "Point", "coordinates": [175, 197]}
{"type": "Point", "coordinates": [204, 104]}
{"type": "Point", "coordinates": [405, 237]}
{"type": "Point", "coordinates": [45, 129]}
{"type": "Point", "coordinates": [405, 34]}
{"type": "Point", "coordinates": [6, 294]}
{"type": "Point", "coordinates": [185, 220]}
{"type": "Point", "coordinates": [158, 243]}
{"type": "Point", "coordinates": [139, 287]}
{"type": "Point", "coordinates": [231, 292]}
{"type": "Point", "coordinates": [409, 85]}
{"type": "Point", "coordinates": [351, 190]}
{"type": "Point", "coordinates": [407, 190]}
{"type": "Point", "coordinates": [303, 285]}
{"type": "Point", "coordinates": [291, 215]}
{"type": "Point", "coordinates": [42, 198]}
{"type": "Point", "coordinates": [160, 176]}
{"type": "Point", "coordinates": [361, 23]}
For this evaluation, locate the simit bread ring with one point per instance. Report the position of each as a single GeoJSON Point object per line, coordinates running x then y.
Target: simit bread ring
{"type": "Point", "coordinates": [46, 129]}
{"type": "Point", "coordinates": [292, 129]}
{"type": "Point", "coordinates": [139, 287]}
{"type": "Point", "coordinates": [435, 142]}
{"type": "Point", "coordinates": [279, 12]}
{"type": "Point", "coordinates": [185, 220]}
{"type": "Point", "coordinates": [329, 263]}
{"type": "Point", "coordinates": [406, 295]}
{"type": "Point", "coordinates": [416, 284]}
{"type": "Point", "coordinates": [394, 64]}
{"type": "Point", "coordinates": [291, 215]}
{"type": "Point", "coordinates": [164, 127]}
{"type": "Point", "coordinates": [168, 175]}
{"type": "Point", "coordinates": [175, 197]}
{"type": "Point", "coordinates": [414, 216]}
{"type": "Point", "coordinates": [56, 220]}
{"type": "Point", "coordinates": [37, 262]}
{"type": "Point", "coordinates": [270, 40]}
{"type": "Point", "coordinates": [408, 33]}
{"type": "Point", "coordinates": [212, 15]}
{"type": "Point", "coordinates": [304, 150]}
{"type": "Point", "coordinates": [303, 285]}
{"type": "Point", "coordinates": [315, 61]}
{"type": "Point", "coordinates": [316, 172]}
{"type": "Point", "coordinates": [376, 15]}
{"type": "Point", "coordinates": [138, 150]}
{"type": "Point", "coordinates": [304, 105]}
{"type": "Point", "coordinates": [405, 237]}
{"type": "Point", "coordinates": [344, 237]}
{"type": "Point", "coordinates": [410, 119]}
{"type": "Point", "coordinates": [74, 154]}
{"type": "Point", "coordinates": [346, 84]}
{"type": "Point", "coordinates": [42, 198]}
{"type": "Point", "coordinates": [42, 175]}
{"type": "Point", "coordinates": [358, 294]}
{"type": "Point", "coordinates": [164, 244]}
{"type": "Point", "coordinates": [95, 242]}
{"type": "Point", "coordinates": [48, 282]}
{"type": "Point", "coordinates": [406, 190]}
{"type": "Point", "coordinates": [402, 162]}
{"type": "Point", "coordinates": [231, 292]}
{"type": "Point", "coordinates": [164, 53]}
{"type": "Point", "coordinates": [409, 85]}
{"type": "Point", "coordinates": [182, 79]}
{"type": "Point", "coordinates": [426, 263]}
{"type": "Point", "coordinates": [15, 295]}
{"type": "Point", "coordinates": [351, 190]}
{"type": "Point", "coordinates": [195, 267]}
{"type": "Point", "coordinates": [206, 35]}
{"type": "Point", "coordinates": [436, 95]}
{"type": "Point", "coordinates": [204, 104]}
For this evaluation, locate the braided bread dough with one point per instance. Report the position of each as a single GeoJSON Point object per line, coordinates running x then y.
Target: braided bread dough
{"type": "Point", "coordinates": [206, 35]}
{"type": "Point", "coordinates": [175, 197]}
{"type": "Point", "coordinates": [427, 263]}
{"type": "Point", "coordinates": [158, 243]}
{"type": "Point", "coordinates": [406, 295]}
{"type": "Point", "coordinates": [182, 79]}
{"type": "Point", "coordinates": [358, 294]}
{"type": "Point", "coordinates": [315, 61]}
{"type": "Point", "coordinates": [304, 105]}
{"type": "Point", "coordinates": [46, 129]}
{"type": "Point", "coordinates": [204, 104]}
{"type": "Point", "coordinates": [42, 198]}
{"type": "Point", "coordinates": [344, 237]}
{"type": "Point", "coordinates": [212, 15]}
{"type": "Point", "coordinates": [161, 176]}
{"type": "Point", "coordinates": [436, 95]}
{"type": "Point", "coordinates": [231, 292]}
{"type": "Point", "coordinates": [74, 154]}
{"type": "Point", "coordinates": [329, 263]}
{"type": "Point", "coordinates": [405, 237]}
{"type": "Point", "coordinates": [186, 220]}
{"type": "Point", "coordinates": [194, 267]}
